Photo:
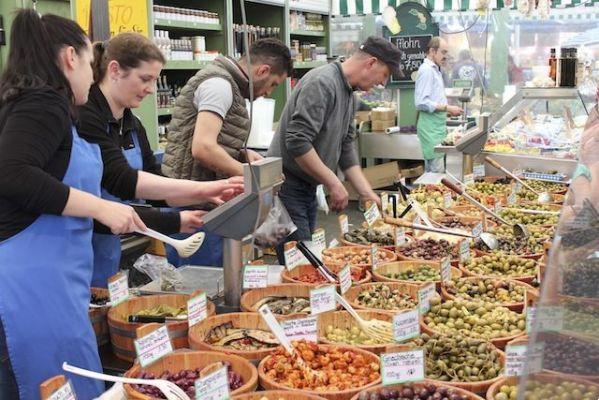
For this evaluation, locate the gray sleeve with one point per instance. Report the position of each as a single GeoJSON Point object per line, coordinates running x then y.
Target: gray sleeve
{"type": "Point", "coordinates": [215, 95]}
{"type": "Point", "coordinates": [349, 153]}
{"type": "Point", "coordinates": [308, 118]}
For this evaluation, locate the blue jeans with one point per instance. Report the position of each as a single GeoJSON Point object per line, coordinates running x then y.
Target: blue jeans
{"type": "Point", "coordinates": [209, 255]}
{"type": "Point", "coordinates": [8, 383]}
{"type": "Point", "coordinates": [299, 198]}
{"type": "Point", "coordinates": [435, 165]}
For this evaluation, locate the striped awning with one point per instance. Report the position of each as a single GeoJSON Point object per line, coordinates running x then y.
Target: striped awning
{"type": "Point", "coordinates": [366, 7]}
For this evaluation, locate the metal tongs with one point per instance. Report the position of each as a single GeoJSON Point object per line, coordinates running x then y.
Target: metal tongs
{"type": "Point", "coordinates": [317, 263]}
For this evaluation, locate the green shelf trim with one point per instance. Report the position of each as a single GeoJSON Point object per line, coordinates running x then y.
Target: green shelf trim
{"type": "Point", "coordinates": [308, 33]}
{"type": "Point", "coordinates": [165, 111]}
{"type": "Point", "coordinates": [167, 23]}
{"type": "Point", "coordinates": [185, 64]}
{"type": "Point", "coordinates": [308, 64]}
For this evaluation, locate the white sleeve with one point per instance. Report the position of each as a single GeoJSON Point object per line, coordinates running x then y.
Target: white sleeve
{"type": "Point", "coordinates": [215, 95]}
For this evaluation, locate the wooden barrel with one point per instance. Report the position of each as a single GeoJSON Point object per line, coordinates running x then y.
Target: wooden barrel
{"type": "Point", "coordinates": [400, 266]}
{"type": "Point", "coordinates": [301, 270]}
{"type": "Point", "coordinates": [122, 332]}
{"type": "Point", "coordinates": [267, 383]}
{"type": "Point", "coordinates": [277, 395]}
{"type": "Point", "coordinates": [407, 288]}
{"type": "Point", "coordinates": [98, 318]}
{"type": "Point", "coordinates": [464, 393]}
{"type": "Point", "coordinates": [189, 359]}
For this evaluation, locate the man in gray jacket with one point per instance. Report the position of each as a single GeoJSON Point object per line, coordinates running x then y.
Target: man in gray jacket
{"type": "Point", "coordinates": [316, 137]}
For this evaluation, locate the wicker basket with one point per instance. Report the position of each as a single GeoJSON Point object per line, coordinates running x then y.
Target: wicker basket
{"type": "Point", "coordinates": [515, 306]}
{"type": "Point", "coordinates": [267, 383]}
{"type": "Point", "coordinates": [122, 332]}
{"type": "Point", "coordinates": [398, 266]}
{"type": "Point", "coordinates": [410, 289]}
{"type": "Point", "coordinates": [291, 276]}
{"type": "Point", "coordinates": [464, 393]}
{"type": "Point", "coordinates": [343, 320]}
{"type": "Point", "coordinates": [188, 359]}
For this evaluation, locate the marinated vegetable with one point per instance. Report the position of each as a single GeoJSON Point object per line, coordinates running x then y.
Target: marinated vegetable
{"type": "Point", "coordinates": [408, 391]}
{"type": "Point", "coordinates": [502, 265]}
{"type": "Point", "coordinates": [227, 336]}
{"type": "Point", "coordinates": [488, 290]}
{"type": "Point", "coordinates": [354, 335]}
{"type": "Point", "coordinates": [285, 305]}
{"type": "Point", "coordinates": [99, 300]}
{"type": "Point", "coordinates": [549, 391]}
{"type": "Point", "coordinates": [429, 249]}
{"type": "Point", "coordinates": [570, 355]}
{"type": "Point", "coordinates": [515, 217]}
{"type": "Point", "coordinates": [382, 297]}
{"type": "Point", "coordinates": [367, 236]}
{"type": "Point", "coordinates": [357, 274]}
{"type": "Point", "coordinates": [420, 273]}
{"type": "Point", "coordinates": [164, 311]}
{"type": "Point", "coordinates": [342, 368]}
{"type": "Point", "coordinates": [474, 319]}
{"type": "Point", "coordinates": [513, 246]}
{"type": "Point", "coordinates": [354, 256]}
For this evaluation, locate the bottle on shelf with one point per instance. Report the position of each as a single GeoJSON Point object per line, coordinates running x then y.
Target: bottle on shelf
{"type": "Point", "coordinates": [553, 66]}
{"type": "Point", "coordinates": [186, 14]}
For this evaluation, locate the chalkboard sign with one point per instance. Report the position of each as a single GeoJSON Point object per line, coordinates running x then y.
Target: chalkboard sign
{"type": "Point", "coordinates": [414, 53]}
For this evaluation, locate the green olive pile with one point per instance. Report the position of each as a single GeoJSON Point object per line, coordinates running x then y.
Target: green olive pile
{"type": "Point", "coordinates": [502, 265]}
{"type": "Point", "coordinates": [582, 318]}
{"type": "Point", "coordinates": [564, 390]}
{"type": "Point", "coordinates": [513, 246]}
{"type": "Point", "coordinates": [534, 206]}
{"type": "Point", "coordinates": [429, 249]}
{"type": "Point", "coordinates": [354, 335]}
{"type": "Point", "coordinates": [421, 273]}
{"type": "Point", "coordinates": [535, 232]}
{"type": "Point", "coordinates": [488, 290]}
{"type": "Point", "coordinates": [429, 194]}
{"type": "Point", "coordinates": [526, 195]}
{"type": "Point", "coordinates": [515, 217]}
{"type": "Point", "coordinates": [459, 359]}
{"type": "Point", "coordinates": [382, 297]}
{"type": "Point", "coordinates": [491, 189]}
{"type": "Point", "coordinates": [551, 187]}
{"type": "Point", "coordinates": [474, 319]}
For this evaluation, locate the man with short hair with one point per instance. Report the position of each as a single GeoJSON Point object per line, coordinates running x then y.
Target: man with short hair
{"type": "Point", "coordinates": [431, 103]}
{"type": "Point", "coordinates": [210, 124]}
{"type": "Point", "coordinates": [316, 137]}
{"type": "Point", "coordinates": [467, 68]}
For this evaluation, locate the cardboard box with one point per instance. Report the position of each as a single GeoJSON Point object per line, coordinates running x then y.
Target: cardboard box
{"type": "Point", "coordinates": [382, 125]}
{"type": "Point", "coordinates": [379, 176]}
{"type": "Point", "coordinates": [362, 116]}
{"type": "Point", "coordinates": [382, 114]}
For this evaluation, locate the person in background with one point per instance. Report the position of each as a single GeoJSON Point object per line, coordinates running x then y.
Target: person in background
{"type": "Point", "coordinates": [515, 73]}
{"type": "Point", "coordinates": [316, 137]}
{"type": "Point", "coordinates": [468, 69]}
{"type": "Point", "coordinates": [49, 196]}
{"type": "Point", "coordinates": [431, 103]}
{"type": "Point", "coordinates": [125, 71]}
{"type": "Point", "coordinates": [210, 124]}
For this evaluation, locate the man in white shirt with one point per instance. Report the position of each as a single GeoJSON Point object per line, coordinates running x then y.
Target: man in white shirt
{"type": "Point", "coordinates": [431, 103]}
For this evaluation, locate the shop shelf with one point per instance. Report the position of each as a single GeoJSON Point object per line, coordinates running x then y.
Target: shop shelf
{"type": "Point", "coordinates": [308, 33]}
{"type": "Point", "coordinates": [185, 64]}
{"type": "Point", "coordinates": [167, 23]}
{"type": "Point", "coordinates": [308, 64]}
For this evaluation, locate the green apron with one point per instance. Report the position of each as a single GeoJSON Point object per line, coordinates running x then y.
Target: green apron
{"type": "Point", "coordinates": [431, 132]}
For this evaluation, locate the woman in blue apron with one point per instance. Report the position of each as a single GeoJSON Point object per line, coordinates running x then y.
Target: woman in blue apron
{"type": "Point", "coordinates": [49, 183]}
{"type": "Point", "coordinates": [126, 69]}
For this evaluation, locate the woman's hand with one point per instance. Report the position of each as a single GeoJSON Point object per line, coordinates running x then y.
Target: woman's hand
{"type": "Point", "coordinates": [218, 192]}
{"type": "Point", "coordinates": [120, 218]}
{"type": "Point", "coordinates": [191, 220]}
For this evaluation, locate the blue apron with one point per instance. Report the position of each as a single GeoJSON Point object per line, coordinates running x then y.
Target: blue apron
{"type": "Point", "coordinates": [107, 248]}
{"type": "Point", "coordinates": [45, 273]}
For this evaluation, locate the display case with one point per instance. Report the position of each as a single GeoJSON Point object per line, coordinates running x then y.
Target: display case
{"type": "Point", "coordinates": [565, 330]}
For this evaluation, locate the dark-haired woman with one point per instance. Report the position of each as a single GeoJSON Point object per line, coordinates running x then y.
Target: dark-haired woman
{"type": "Point", "coordinates": [125, 71]}
{"type": "Point", "coordinates": [49, 188]}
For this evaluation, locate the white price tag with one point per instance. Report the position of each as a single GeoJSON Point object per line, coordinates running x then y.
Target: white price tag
{"type": "Point", "coordinates": [406, 325]}
{"type": "Point", "coordinates": [546, 318]}
{"type": "Point", "coordinates": [446, 269]}
{"type": "Point", "coordinates": [293, 258]}
{"type": "Point", "coordinates": [344, 279]}
{"type": "Point", "coordinates": [334, 243]}
{"type": "Point", "coordinates": [255, 276]}
{"type": "Point", "coordinates": [478, 170]}
{"type": "Point", "coordinates": [511, 199]}
{"type": "Point", "coordinates": [447, 200]}
{"type": "Point", "coordinates": [153, 346]}
{"type": "Point", "coordinates": [197, 309]}
{"type": "Point", "coordinates": [400, 236]}
{"type": "Point", "coordinates": [374, 257]}
{"type": "Point", "coordinates": [469, 179]}
{"type": "Point", "coordinates": [464, 251]}
{"type": "Point", "coordinates": [424, 295]}
{"type": "Point", "coordinates": [385, 203]}
{"type": "Point", "coordinates": [343, 224]}
{"type": "Point", "coordinates": [372, 214]}
{"type": "Point", "coordinates": [519, 355]}
{"type": "Point", "coordinates": [322, 299]}
{"type": "Point", "coordinates": [407, 366]}
{"type": "Point", "coordinates": [65, 392]}
{"type": "Point", "coordinates": [118, 288]}
{"type": "Point", "coordinates": [302, 328]}
{"type": "Point", "coordinates": [477, 230]}
{"type": "Point", "coordinates": [319, 241]}
{"type": "Point", "coordinates": [214, 386]}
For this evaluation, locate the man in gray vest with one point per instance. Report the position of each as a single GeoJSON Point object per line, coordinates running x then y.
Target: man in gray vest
{"type": "Point", "coordinates": [316, 137]}
{"type": "Point", "coordinates": [210, 124]}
